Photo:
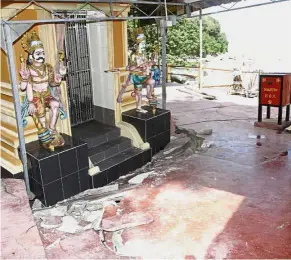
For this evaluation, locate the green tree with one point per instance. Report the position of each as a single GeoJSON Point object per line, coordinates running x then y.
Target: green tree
{"type": "Point", "coordinates": [183, 39]}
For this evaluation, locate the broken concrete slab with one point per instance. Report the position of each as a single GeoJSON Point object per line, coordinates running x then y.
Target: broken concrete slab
{"type": "Point", "coordinates": [208, 144]}
{"type": "Point", "coordinates": [139, 178]}
{"type": "Point", "coordinates": [91, 216]}
{"type": "Point", "coordinates": [130, 220]}
{"type": "Point", "coordinates": [205, 132]}
{"type": "Point", "coordinates": [58, 211]}
{"type": "Point", "coordinates": [37, 205]}
{"type": "Point", "coordinates": [69, 225]}
{"type": "Point", "coordinates": [51, 222]}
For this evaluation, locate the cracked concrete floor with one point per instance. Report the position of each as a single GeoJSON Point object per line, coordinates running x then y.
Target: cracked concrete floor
{"type": "Point", "coordinates": [232, 200]}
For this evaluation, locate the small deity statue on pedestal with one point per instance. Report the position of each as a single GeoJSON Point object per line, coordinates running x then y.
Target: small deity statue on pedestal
{"type": "Point", "coordinates": [42, 85]}
{"type": "Point", "coordinates": [142, 74]}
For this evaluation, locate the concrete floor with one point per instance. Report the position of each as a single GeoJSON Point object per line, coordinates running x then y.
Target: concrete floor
{"type": "Point", "coordinates": [233, 200]}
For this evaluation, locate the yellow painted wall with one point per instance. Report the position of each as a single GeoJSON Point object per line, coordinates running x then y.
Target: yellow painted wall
{"type": "Point", "coordinates": [24, 15]}
{"type": "Point", "coordinates": [118, 39]}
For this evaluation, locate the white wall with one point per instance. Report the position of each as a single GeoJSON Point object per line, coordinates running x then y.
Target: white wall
{"type": "Point", "coordinates": [102, 83]}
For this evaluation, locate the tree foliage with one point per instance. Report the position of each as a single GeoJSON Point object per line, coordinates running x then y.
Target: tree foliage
{"type": "Point", "coordinates": [183, 39]}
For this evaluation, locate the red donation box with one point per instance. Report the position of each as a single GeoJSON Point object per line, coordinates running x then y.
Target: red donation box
{"type": "Point", "coordinates": [275, 91]}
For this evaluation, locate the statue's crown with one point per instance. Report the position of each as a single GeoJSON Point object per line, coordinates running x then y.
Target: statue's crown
{"type": "Point", "coordinates": [31, 42]}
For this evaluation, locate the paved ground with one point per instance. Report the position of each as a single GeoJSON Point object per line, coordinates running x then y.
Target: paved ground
{"type": "Point", "coordinates": [232, 200]}
{"type": "Point", "coordinates": [19, 235]}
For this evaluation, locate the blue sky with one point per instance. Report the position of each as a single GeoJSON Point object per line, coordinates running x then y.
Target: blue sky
{"type": "Point", "coordinates": [262, 33]}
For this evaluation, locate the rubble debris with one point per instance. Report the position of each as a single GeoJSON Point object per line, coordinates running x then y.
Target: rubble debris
{"type": "Point", "coordinates": [37, 205]}
{"type": "Point", "coordinates": [130, 220]}
{"type": "Point", "coordinates": [118, 242]}
{"type": "Point", "coordinates": [194, 143]}
{"type": "Point", "coordinates": [58, 211]}
{"type": "Point", "coordinates": [139, 178]}
{"type": "Point", "coordinates": [205, 132]}
{"type": "Point", "coordinates": [51, 222]}
{"type": "Point", "coordinates": [97, 191]}
{"type": "Point", "coordinates": [91, 216]}
{"type": "Point", "coordinates": [208, 144]}
{"type": "Point", "coordinates": [69, 225]}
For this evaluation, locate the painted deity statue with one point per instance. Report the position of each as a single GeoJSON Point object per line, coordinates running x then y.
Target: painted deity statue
{"type": "Point", "coordinates": [143, 73]}
{"type": "Point", "coordinates": [42, 85]}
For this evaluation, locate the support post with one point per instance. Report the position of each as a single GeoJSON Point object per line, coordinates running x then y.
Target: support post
{"type": "Point", "coordinates": [17, 107]}
{"type": "Point", "coordinates": [111, 8]}
{"type": "Point", "coordinates": [164, 61]}
{"type": "Point", "coordinates": [188, 10]}
{"type": "Point", "coordinates": [201, 49]}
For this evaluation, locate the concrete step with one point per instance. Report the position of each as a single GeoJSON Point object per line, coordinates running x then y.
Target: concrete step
{"type": "Point", "coordinates": [109, 149]}
{"type": "Point", "coordinates": [95, 133]}
{"type": "Point", "coordinates": [119, 165]}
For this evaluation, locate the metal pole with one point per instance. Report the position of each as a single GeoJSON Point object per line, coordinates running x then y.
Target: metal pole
{"type": "Point", "coordinates": [188, 10]}
{"type": "Point", "coordinates": [201, 49]}
{"type": "Point", "coordinates": [164, 61]}
{"type": "Point", "coordinates": [17, 108]}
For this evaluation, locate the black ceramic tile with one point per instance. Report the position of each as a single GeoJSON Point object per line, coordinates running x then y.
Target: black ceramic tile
{"type": "Point", "coordinates": [71, 185]}
{"type": "Point", "coordinates": [50, 169]}
{"type": "Point", "coordinates": [19, 176]}
{"type": "Point", "coordinates": [167, 121]}
{"type": "Point", "coordinates": [100, 179]}
{"type": "Point", "coordinates": [5, 174]}
{"type": "Point", "coordinates": [136, 161]}
{"type": "Point", "coordinates": [110, 152]}
{"type": "Point", "coordinates": [35, 169]}
{"type": "Point", "coordinates": [99, 139]}
{"type": "Point", "coordinates": [162, 140]}
{"type": "Point", "coordinates": [152, 143]}
{"type": "Point", "coordinates": [98, 114]}
{"type": "Point", "coordinates": [34, 149]}
{"type": "Point", "coordinates": [146, 156]}
{"type": "Point", "coordinates": [137, 123]}
{"type": "Point", "coordinates": [125, 167]}
{"type": "Point", "coordinates": [113, 135]}
{"type": "Point", "coordinates": [53, 193]}
{"type": "Point", "coordinates": [68, 162]}
{"type": "Point", "coordinates": [82, 156]}
{"type": "Point", "coordinates": [149, 115]}
{"type": "Point", "coordinates": [97, 158]}
{"type": "Point", "coordinates": [112, 173]}
{"type": "Point", "coordinates": [36, 188]}
{"type": "Point", "coordinates": [113, 161]}
{"type": "Point", "coordinates": [109, 117]}
{"type": "Point", "coordinates": [88, 141]}
{"type": "Point", "coordinates": [160, 124]}
{"type": "Point", "coordinates": [123, 143]}
{"type": "Point", "coordinates": [84, 179]}
{"type": "Point", "coordinates": [150, 127]}
{"type": "Point", "coordinates": [89, 129]}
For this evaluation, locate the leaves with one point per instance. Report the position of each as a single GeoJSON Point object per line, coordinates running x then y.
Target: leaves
{"type": "Point", "coordinates": [183, 39]}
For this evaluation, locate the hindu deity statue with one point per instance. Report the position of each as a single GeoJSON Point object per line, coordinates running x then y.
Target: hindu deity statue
{"type": "Point", "coordinates": [42, 85]}
{"type": "Point", "coordinates": [143, 73]}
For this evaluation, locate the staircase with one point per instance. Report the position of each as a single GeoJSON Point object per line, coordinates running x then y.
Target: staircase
{"type": "Point", "coordinates": [113, 154]}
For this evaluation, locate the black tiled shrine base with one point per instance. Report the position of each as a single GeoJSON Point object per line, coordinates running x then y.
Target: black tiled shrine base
{"type": "Point", "coordinates": [120, 165]}
{"type": "Point", "coordinates": [58, 175]}
{"type": "Point", "coordinates": [154, 129]}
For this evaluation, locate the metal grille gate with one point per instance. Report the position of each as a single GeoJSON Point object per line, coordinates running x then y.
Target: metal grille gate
{"type": "Point", "coordinates": [79, 72]}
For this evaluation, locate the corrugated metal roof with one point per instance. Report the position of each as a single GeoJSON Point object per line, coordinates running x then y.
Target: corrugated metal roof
{"type": "Point", "coordinates": [197, 4]}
